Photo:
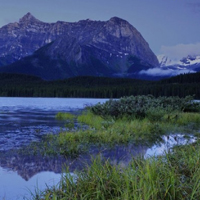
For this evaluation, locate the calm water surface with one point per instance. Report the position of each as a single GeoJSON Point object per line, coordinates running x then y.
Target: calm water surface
{"type": "Point", "coordinates": [23, 120]}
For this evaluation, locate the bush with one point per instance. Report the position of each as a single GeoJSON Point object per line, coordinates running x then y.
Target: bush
{"type": "Point", "coordinates": [145, 106]}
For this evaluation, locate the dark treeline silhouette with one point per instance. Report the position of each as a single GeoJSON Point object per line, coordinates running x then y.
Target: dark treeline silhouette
{"type": "Point", "coordinates": [15, 85]}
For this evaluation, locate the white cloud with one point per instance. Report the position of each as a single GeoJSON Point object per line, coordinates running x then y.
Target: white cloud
{"type": "Point", "coordinates": [165, 72]}
{"type": "Point", "coordinates": [181, 50]}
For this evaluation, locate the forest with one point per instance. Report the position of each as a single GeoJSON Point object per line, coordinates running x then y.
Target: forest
{"type": "Point", "coordinates": [18, 85]}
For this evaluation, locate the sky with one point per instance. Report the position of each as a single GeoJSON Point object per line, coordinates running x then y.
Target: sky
{"type": "Point", "coordinates": [171, 27]}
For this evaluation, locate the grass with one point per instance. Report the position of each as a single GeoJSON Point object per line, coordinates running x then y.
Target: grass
{"type": "Point", "coordinates": [68, 117]}
{"type": "Point", "coordinates": [139, 120]}
{"type": "Point", "coordinates": [65, 116]}
{"type": "Point", "coordinates": [109, 132]}
{"type": "Point", "coordinates": [174, 176]}
{"type": "Point", "coordinates": [92, 120]}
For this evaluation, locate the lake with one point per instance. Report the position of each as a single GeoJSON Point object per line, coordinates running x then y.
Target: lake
{"type": "Point", "coordinates": [24, 120]}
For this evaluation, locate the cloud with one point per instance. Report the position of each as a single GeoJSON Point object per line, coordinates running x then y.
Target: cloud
{"type": "Point", "coordinates": [180, 50]}
{"type": "Point", "coordinates": [165, 72]}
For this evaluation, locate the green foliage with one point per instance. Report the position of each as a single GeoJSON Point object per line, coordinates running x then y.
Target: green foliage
{"type": "Point", "coordinates": [92, 120]}
{"type": "Point", "coordinates": [173, 176]}
{"type": "Point", "coordinates": [188, 119]}
{"type": "Point", "coordinates": [68, 117]}
{"type": "Point", "coordinates": [65, 116]}
{"type": "Point", "coordinates": [144, 106]}
{"type": "Point", "coordinates": [120, 131]}
{"type": "Point", "coordinates": [134, 119]}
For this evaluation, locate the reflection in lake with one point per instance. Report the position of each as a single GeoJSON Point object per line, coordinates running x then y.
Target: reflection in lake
{"type": "Point", "coordinates": [14, 187]}
{"type": "Point", "coordinates": [22, 121]}
{"type": "Point", "coordinates": [27, 166]}
{"type": "Point", "coordinates": [24, 173]}
{"type": "Point", "coordinates": [24, 169]}
{"type": "Point", "coordinates": [167, 144]}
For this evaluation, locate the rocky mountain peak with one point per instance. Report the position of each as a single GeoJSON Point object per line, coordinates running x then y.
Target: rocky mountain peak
{"type": "Point", "coordinates": [117, 20]}
{"type": "Point", "coordinates": [102, 48]}
{"type": "Point", "coordinates": [28, 18]}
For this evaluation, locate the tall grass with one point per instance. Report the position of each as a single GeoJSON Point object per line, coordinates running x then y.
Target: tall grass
{"type": "Point", "coordinates": [174, 176]}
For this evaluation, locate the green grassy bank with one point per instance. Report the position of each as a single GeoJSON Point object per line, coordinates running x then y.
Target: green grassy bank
{"type": "Point", "coordinates": [134, 119]}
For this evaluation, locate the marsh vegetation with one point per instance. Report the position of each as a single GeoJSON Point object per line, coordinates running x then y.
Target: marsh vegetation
{"type": "Point", "coordinates": [175, 175]}
{"type": "Point", "coordinates": [134, 119]}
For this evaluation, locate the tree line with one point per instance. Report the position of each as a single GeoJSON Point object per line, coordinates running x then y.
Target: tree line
{"type": "Point", "coordinates": [15, 85]}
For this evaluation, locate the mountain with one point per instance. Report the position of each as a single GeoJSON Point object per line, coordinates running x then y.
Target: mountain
{"type": "Point", "coordinates": [22, 38]}
{"type": "Point", "coordinates": [172, 67]}
{"type": "Point", "coordinates": [190, 62]}
{"type": "Point", "coordinates": [62, 49]}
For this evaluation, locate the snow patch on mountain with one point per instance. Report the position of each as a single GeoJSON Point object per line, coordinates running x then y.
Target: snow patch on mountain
{"type": "Point", "coordinates": [166, 61]}
{"type": "Point", "coordinates": [188, 61]}
{"type": "Point", "coordinates": [173, 67]}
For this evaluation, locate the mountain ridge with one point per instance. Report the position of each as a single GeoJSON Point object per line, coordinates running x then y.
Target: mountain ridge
{"type": "Point", "coordinates": [114, 46]}
{"type": "Point", "coordinates": [190, 63]}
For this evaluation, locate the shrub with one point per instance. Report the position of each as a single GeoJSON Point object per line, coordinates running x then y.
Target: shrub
{"type": "Point", "coordinates": [145, 106]}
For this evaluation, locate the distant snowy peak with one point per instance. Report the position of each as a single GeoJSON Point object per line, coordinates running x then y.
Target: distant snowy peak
{"type": "Point", "coordinates": [184, 62]}
{"type": "Point", "coordinates": [173, 67]}
{"type": "Point", "coordinates": [164, 60]}
{"type": "Point", "coordinates": [190, 60]}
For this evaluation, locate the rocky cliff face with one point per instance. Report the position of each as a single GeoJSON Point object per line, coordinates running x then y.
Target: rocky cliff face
{"type": "Point", "coordinates": [22, 38]}
{"type": "Point", "coordinates": [112, 47]}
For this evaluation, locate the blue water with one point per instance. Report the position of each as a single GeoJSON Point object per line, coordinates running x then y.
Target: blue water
{"type": "Point", "coordinates": [22, 121]}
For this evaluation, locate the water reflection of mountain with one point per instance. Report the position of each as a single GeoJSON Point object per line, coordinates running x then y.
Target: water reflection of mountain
{"type": "Point", "coordinates": [120, 154]}
{"type": "Point", "coordinates": [29, 165]}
